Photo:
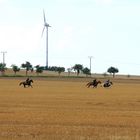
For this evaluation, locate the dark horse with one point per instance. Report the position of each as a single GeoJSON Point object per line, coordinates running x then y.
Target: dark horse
{"type": "Point", "coordinates": [26, 83]}
{"type": "Point", "coordinates": [108, 84]}
{"type": "Point", "coordinates": [93, 84]}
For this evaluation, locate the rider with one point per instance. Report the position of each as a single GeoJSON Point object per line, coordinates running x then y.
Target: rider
{"type": "Point", "coordinates": [107, 82]}
{"type": "Point", "coordinates": [94, 81]}
{"type": "Point", "coordinates": [27, 80]}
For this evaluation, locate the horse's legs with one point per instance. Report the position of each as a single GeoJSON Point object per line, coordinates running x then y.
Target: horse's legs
{"type": "Point", "coordinates": [94, 86]}
{"type": "Point", "coordinates": [30, 86]}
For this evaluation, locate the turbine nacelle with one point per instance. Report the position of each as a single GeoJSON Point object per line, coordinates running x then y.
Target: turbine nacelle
{"type": "Point", "coordinates": [46, 25]}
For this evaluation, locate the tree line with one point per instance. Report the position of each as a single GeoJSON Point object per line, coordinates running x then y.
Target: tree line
{"type": "Point", "coordinates": [78, 68]}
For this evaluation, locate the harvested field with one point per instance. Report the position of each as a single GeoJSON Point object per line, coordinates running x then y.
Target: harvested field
{"type": "Point", "coordinates": [67, 110]}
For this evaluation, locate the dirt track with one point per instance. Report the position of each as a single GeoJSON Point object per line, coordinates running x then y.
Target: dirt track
{"type": "Point", "coordinates": [62, 109]}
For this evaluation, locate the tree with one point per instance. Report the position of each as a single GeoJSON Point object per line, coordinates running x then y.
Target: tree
{"type": "Point", "coordinates": [39, 69]}
{"type": "Point", "coordinates": [112, 70]}
{"type": "Point", "coordinates": [2, 68]}
{"type": "Point", "coordinates": [104, 74]}
{"type": "Point", "coordinates": [128, 75]}
{"type": "Point", "coordinates": [69, 71]}
{"type": "Point", "coordinates": [86, 71]}
{"type": "Point", "coordinates": [53, 68]}
{"type": "Point", "coordinates": [15, 68]}
{"type": "Point", "coordinates": [60, 69]}
{"type": "Point", "coordinates": [27, 66]}
{"type": "Point", "coordinates": [78, 68]}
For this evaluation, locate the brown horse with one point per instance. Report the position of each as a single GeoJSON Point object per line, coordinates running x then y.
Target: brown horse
{"type": "Point", "coordinates": [25, 83]}
{"type": "Point", "coordinates": [93, 84]}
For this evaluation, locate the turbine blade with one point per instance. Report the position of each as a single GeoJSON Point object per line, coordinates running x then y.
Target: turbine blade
{"type": "Point", "coordinates": [43, 31]}
{"type": "Point", "coordinates": [44, 17]}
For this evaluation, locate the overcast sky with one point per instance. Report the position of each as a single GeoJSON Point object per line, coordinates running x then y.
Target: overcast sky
{"type": "Point", "coordinates": [108, 30]}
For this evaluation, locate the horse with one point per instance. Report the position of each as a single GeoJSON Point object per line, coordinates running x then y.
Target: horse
{"type": "Point", "coordinates": [93, 84]}
{"type": "Point", "coordinates": [25, 83]}
{"type": "Point", "coordinates": [108, 84]}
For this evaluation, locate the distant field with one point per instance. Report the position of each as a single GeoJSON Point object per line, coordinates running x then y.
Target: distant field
{"type": "Point", "coordinates": [64, 109]}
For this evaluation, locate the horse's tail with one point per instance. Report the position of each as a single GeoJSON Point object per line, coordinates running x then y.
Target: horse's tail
{"type": "Point", "coordinates": [87, 84]}
{"type": "Point", "coordinates": [20, 83]}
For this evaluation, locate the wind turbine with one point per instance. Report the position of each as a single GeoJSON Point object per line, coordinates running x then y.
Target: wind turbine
{"type": "Point", "coordinates": [46, 25]}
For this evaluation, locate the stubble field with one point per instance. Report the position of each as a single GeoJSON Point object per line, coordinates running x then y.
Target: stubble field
{"type": "Point", "coordinates": [67, 110]}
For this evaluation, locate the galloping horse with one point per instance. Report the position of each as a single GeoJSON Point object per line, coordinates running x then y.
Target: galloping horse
{"type": "Point", "coordinates": [25, 83]}
{"type": "Point", "coordinates": [93, 84]}
{"type": "Point", "coordinates": [108, 84]}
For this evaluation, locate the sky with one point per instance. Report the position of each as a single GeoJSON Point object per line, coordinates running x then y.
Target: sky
{"type": "Point", "coordinates": [107, 30]}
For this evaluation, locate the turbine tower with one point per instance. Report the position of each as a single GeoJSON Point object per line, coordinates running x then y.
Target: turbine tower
{"type": "Point", "coordinates": [46, 25]}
